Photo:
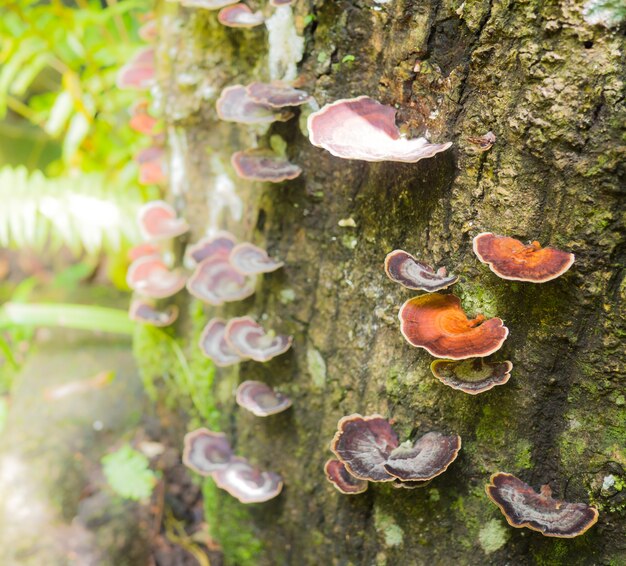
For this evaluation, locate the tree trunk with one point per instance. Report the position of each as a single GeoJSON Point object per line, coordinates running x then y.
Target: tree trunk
{"type": "Point", "coordinates": [549, 86]}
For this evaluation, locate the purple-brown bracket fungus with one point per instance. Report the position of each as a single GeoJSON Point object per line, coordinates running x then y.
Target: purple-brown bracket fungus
{"type": "Point", "coordinates": [139, 72]}
{"type": "Point", "coordinates": [364, 129]}
{"type": "Point", "coordinates": [207, 4]}
{"type": "Point", "coordinates": [158, 221]}
{"type": "Point", "coordinates": [260, 399]}
{"type": "Point", "coordinates": [249, 259]}
{"type": "Point", "coordinates": [149, 276]}
{"type": "Point", "coordinates": [438, 324]}
{"type": "Point", "coordinates": [250, 340]}
{"type": "Point", "coordinates": [145, 313]}
{"type": "Point", "coordinates": [277, 94]}
{"type": "Point", "coordinates": [206, 451]}
{"type": "Point", "coordinates": [401, 267]}
{"type": "Point", "coordinates": [214, 345]}
{"type": "Point", "coordinates": [472, 376]}
{"type": "Point", "coordinates": [235, 105]}
{"type": "Point", "coordinates": [424, 459]}
{"type": "Point", "coordinates": [510, 259]}
{"type": "Point", "coordinates": [218, 245]}
{"type": "Point", "coordinates": [522, 506]}
{"type": "Point", "coordinates": [342, 480]}
{"type": "Point", "coordinates": [216, 281]}
{"type": "Point", "coordinates": [278, 3]}
{"type": "Point", "coordinates": [246, 483]}
{"type": "Point", "coordinates": [263, 165]}
{"type": "Point", "coordinates": [239, 16]}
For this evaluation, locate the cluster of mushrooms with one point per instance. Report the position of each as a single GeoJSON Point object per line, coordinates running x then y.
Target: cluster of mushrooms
{"type": "Point", "coordinates": [366, 448]}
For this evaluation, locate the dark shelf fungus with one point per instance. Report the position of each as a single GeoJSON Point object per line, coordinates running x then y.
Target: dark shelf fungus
{"type": "Point", "coordinates": [158, 221]}
{"type": "Point", "coordinates": [472, 376]}
{"type": "Point", "coordinates": [206, 451]}
{"type": "Point", "coordinates": [235, 105]}
{"type": "Point", "coordinates": [146, 313]}
{"type": "Point", "coordinates": [424, 459]}
{"type": "Point", "coordinates": [260, 399]}
{"type": "Point", "coordinates": [249, 259]}
{"type": "Point", "coordinates": [364, 129]}
{"type": "Point", "coordinates": [216, 281]}
{"type": "Point", "coordinates": [510, 259]}
{"type": "Point", "coordinates": [277, 94]}
{"type": "Point", "coordinates": [401, 267]}
{"type": "Point", "coordinates": [250, 340]}
{"type": "Point", "coordinates": [246, 483]}
{"type": "Point", "coordinates": [522, 506]}
{"type": "Point", "coordinates": [438, 324]}
{"type": "Point", "coordinates": [264, 166]}
{"type": "Point", "coordinates": [219, 244]}
{"type": "Point", "coordinates": [139, 72]}
{"type": "Point", "coordinates": [239, 16]}
{"type": "Point", "coordinates": [342, 480]}
{"type": "Point", "coordinates": [150, 277]}
{"type": "Point", "coordinates": [213, 344]}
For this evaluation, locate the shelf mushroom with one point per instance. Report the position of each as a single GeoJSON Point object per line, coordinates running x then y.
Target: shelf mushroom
{"type": "Point", "coordinates": [362, 128]}
{"type": "Point", "coordinates": [218, 245]}
{"type": "Point", "coordinates": [149, 276]}
{"type": "Point", "coordinates": [214, 345]}
{"type": "Point", "coordinates": [235, 105]}
{"type": "Point", "coordinates": [264, 166]}
{"type": "Point", "coordinates": [249, 259]}
{"type": "Point", "coordinates": [145, 313]}
{"type": "Point", "coordinates": [343, 480]}
{"type": "Point", "coordinates": [250, 340]}
{"type": "Point", "coordinates": [216, 281]}
{"type": "Point", "coordinates": [472, 376]}
{"type": "Point", "coordinates": [206, 451]}
{"type": "Point", "coordinates": [522, 507]}
{"type": "Point", "coordinates": [401, 267]}
{"type": "Point", "coordinates": [246, 483]}
{"type": "Point", "coordinates": [239, 16]}
{"type": "Point", "coordinates": [207, 4]}
{"type": "Point", "coordinates": [510, 259]}
{"type": "Point", "coordinates": [139, 72]}
{"type": "Point", "coordinates": [158, 221]}
{"type": "Point", "coordinates": [277, 94]}
{"type": "Point", "coordinates": [438, 324]}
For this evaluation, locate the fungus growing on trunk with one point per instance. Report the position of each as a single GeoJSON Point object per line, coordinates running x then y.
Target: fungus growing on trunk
{"type": "Point", "coordinates": [250, 340]}
{"type": "Point", "coordinates": [249, 259]}
{"type": "Point", "coordinates": [522, 507]}
{"type": "Point", "coordinates": [401, 267]}
{"type": "Point", "coordinates": [214, 345]}
{"type": "Point", "coordinates": [240, 16]}
{"type": "Point", "coordinates": [344, 481]}
{"type": "Point", "coordinates": [263, 165]}
{"type": "Point", "coordinates": [138, 73]}
{"type": "Point", "coordinates": [472, 376]}
{"type": "Point", "coordinates": [149, 276]}
{"type": "Point", "coordinates": [235, 105]}
{"type": "Point", "coordinates": [510, 259]}
{"type": "Point", "coordinates": [144, 312]}
{"type": "Point", "coordinates": [438, 324]}
{"type": "Point", "coordinates": [218, 245]}
{"type": "Point", "coordinates": [246, 483]}
{"type": "Point", "coordinates": [206, 451]}
{"type": "Point", "coordinates": [260, 399]}
{"type": "Point", "coordinates": [151, 168]}
{"type": "Point", "coordinates": [141, 121]}
{"type": "Point", "coordinates": [158, 221]}
{"type": "Point", "coordinates": [361, 128]}
{"type": "Point", "coordinates": [143, 250]}
{"type": "Point", "coordinates": [216, 281]}
{"type": "Point", "coordinates": [207, 4]}
{"type": "Point", "coordinates": [277, 94]}
{"type": "Point", "coordinates": [278, 3]}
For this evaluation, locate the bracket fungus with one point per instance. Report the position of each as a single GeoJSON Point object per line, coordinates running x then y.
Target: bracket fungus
{"type": "Point", "coordinates": [510, 259]}
{"type": "Point", "coordinates": [277, 94]}
{"type": "Point", "coordinates": [401, 267]}
{"type": "Point", "coordinates": [139, 72]}
{"type": "Point", "coordinates": [141, 311]}
{"type": "Point", "coordinates": [141, 121]}
{"type": "Point", "coordinates": [522, 507]}
{"type": "Point", "coordinates": [158, 221]}
{"type": "Point", "coordinates": [342, 479]}
{"type": "Point", "coordinates": [438, 324]}
{"type": "Point", "coordinates": [249, 259]}
{"type": "Point", "coordinates": [207, 4]}
{"type": "Point", "coordinates": [143, 250]}
{"type": "Point", "coordinates": [263, 165]}
{"type": "Point", "coordinates": [218, 245]}
{"type": "Point", "coordinates": [239, 16]}
{"type": "Point", "coordinates": [246, 483]}
{"type": "Point", "coordinates": [216, 281]}
{"type": "Point", "coordinates": [362, 128]}
{"type": "Point", "coordinates": [149, 276]}
{"type": "Point", "coordinates": [472, 376]}
{"type": "Point", "coordinates": [206, 451]}
{"type": "Point", "coordinates": [250, 340]}
{"type": "Point", "coordinates": [260, 399]}
{"type": "Point", "coordinates": [213, 344]}
{"type": "Point", "coordinates": [235, 105]}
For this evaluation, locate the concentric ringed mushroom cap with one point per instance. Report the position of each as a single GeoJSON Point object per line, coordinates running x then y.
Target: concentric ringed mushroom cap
{"type": "Point", "coordinates": [218, 245]}
{"type": "Point", "coordinates": [239, 16]}
{"type": "Point", "coordinates": [250, 340]}
{"type": "Point", "coordinates": [342, 480]}
{"type": "Point", "coordinates": [510, 259]}
{"type": "Point", "coordinates": [206, 451]}
{"type": "Point", "coordinates": [472, 376]}
{"type": "Point", "coordinates": [207, 4]}
{"type": "Point", "coordinates": [149, 276]}
{"type": "Point", "coordinates": [260, 399]}
{"type": "Point", "coordinates": [246, 483]}
{"type": "Point", "coordinates": [249, 259]}
{"type": "Point", "coordinates": [264, 166]}
{"type": "Point", "coordinates": [277, 94]}
{"type": "Point", "coordinates": [401, 267]}
{"type": "Point", "coordinates": [438, 324]}
{"type": "Point", "coordinates": [158, 221]}
{"type": "Point", "coordinates": [235, 105]}
{"type": "Point", "coordinates": [144, 312]}
{"type": "Point", "coordinates": [216, 281]}
{"type": "Point", "coordinates": [214, 345]}
{"type": "Point", "coordinates": [522, 507]}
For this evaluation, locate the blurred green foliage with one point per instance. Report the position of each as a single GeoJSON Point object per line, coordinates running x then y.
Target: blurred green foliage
{"type": "Point", "coordinates": [128, 473]}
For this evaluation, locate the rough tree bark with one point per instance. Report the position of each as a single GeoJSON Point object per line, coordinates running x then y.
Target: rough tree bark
{"type": "Point", "coordinates": [549, 85]}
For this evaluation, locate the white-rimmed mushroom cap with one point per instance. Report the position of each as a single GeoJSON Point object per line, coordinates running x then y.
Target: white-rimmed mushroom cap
{"type": "Point", "coordinates": [218, 245]}
{"type": "Point", "coordinates": [158, 221]}
{"type": "Point", "coordinates": [260, 399]}
{"type": "Point", "coordinates": [240, 16]}
{"type": "Point", "coordinates": [149, 276]}
{"type": "Point", "coordinates": [145, 313]}
{"type": "Point", "coordinates": [246, 483]}
{"type": "Point", "coordinates": [235, 105]}
{"type": "Point", "coordinates": [206, 451]}
{"type": "Point", "coordinates": [264, 166]}
{"type": "Point", "coordinates": [250, 340]}
{"type": "Point", "coordinates": [214, 345]}
{"type": "Point", "coordinates": [216, 281]}
{"type": "Point", "coordinates": [249, 259]}
{"type": "Point", "coordinates": [277, 94]}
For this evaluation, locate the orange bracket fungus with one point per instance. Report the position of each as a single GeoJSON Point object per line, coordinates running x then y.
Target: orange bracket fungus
{"type": "Point", "coordinates": [206, 451]}
{"type": "Point", "coordinates": [216, 281]}
{"type": "Point", "coordinates": [277, 94]}
{"type": "Point", "coordinates": [235, 105]}
{"type": "Point", "coordinates": [218, 245]}
{"type": "Point", "coordinates": [249, 259]}
{"type": "Point", "coordinates": [158, 221]}
{"type": "Point", "coordinates": [343, 481]}
{"type": "Point", "coordinates": [263, 165]}
{"type": "Point", "coordinates": [141, 311]}
{"type": "Point", "coordinates": [141, 121]}
{"type": "Point", "coordinates": [522, 506]}
{"type": "Point", "coordinates": [401, 267]}
{"type": "Point", "coordinates": [246, 483]}
{"type": "Point", "coordinates": [250, 340]}
{"type": "Point", "coordinates": [149, 276]}
{"type": "Point", "coordinates": [438, 324]}
{"type": "Point", "coordinates": [472, 376]}
{"type": "Point", "coordinates": [214, 345]}
{"type": "Point", "coordinates": [239, 16]}
{"type": "Point", "coordinates": [138, 73]}
{"type": "Point", "coordinates": [510, 259]}
{"type": "Point", "coordinates": [260, 399]}
{"type": "Point", "coordinates": [364, 129]}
